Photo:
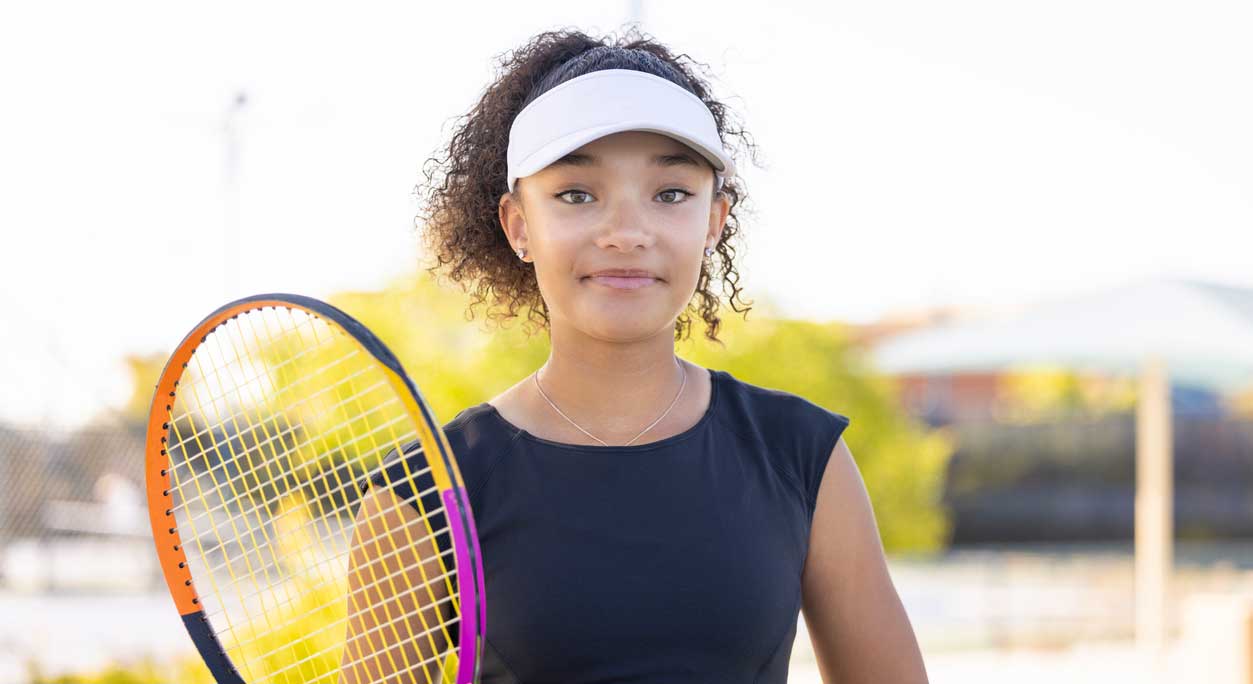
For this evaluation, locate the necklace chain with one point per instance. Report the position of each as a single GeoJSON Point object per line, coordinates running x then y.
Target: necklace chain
{"type": "Point", "coordinates": [663, 415]}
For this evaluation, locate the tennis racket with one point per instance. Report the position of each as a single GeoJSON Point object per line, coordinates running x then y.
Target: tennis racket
{"type": "Point", "coordinates": [309, 516]}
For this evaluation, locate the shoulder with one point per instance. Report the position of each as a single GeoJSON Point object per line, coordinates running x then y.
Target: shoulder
{"type": "Point", "coordinates": [799, 434]}
{"type": "Point", "coordinates": [476, 439]}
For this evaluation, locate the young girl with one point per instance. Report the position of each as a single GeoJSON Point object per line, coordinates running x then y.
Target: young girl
{"type": "Point", "coordinates": [641, 518]}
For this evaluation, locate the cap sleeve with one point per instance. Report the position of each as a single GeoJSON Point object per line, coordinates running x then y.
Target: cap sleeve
{"type": "Point", "coordinates": [824, 429]}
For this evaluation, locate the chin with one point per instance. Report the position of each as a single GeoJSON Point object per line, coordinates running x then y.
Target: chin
{"type": "Point", "coordinates": [627, 326]}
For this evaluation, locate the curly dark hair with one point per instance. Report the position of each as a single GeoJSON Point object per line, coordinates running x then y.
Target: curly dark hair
{"type": "Point", "coordinates": [459, 220]}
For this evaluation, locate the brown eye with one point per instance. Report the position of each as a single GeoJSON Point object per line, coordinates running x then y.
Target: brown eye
{"type": "Point", "coordinates": [674, 191]}
{"type": "Point", "coordinates": [574, 192]}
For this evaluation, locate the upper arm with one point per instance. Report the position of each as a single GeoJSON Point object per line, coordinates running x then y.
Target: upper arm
{"type": "Point", "coordinates": [858, 626]}
{"type": "Point", "coordinates": [398, 589]}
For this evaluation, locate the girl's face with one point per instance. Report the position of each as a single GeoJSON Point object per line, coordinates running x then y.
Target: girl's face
{"type": "Point", "coordinates": [629, 200]}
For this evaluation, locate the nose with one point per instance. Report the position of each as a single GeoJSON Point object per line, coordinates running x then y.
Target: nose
{"type": "Point", "coordinates": [625, 227]}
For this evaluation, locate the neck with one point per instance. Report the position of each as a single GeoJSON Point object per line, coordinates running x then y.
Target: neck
{"type": "Point", "coordinates": [613, 390]}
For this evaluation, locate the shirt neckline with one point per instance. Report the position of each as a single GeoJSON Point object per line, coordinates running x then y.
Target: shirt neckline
{"type": "Point", "coordinates": [715, 379]}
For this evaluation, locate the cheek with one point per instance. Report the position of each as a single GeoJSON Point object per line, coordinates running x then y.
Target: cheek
{"type": "Point", "coordinates": [688, 275]}
{"type": "Point", "coordinates": [555, 254]}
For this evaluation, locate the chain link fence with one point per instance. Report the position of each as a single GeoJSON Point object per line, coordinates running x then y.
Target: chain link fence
{"type": "Point", "coordinates": [72, 510]}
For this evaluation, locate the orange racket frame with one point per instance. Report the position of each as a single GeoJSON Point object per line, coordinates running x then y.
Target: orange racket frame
{"type": "Point", "coordinates": [444, 470]}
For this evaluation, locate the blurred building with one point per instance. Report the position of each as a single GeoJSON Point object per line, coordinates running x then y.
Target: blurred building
{"type": "Point", "coordinates": [1071, 476]}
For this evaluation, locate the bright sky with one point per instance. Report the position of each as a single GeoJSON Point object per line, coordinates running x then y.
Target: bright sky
{"type": "Point", "coordinates": [916, 154]}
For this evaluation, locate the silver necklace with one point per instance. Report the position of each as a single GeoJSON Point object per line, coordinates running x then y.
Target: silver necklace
{"type": "Point", "coordinates": [663, 415]}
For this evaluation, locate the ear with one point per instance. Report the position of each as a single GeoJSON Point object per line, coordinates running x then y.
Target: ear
{"type": "Point", "coordinates": [513, 219]}
{"type": "Point", "coordinates": [718, 211]}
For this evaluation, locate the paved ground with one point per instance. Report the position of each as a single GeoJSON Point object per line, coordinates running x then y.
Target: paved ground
{"type": "Point", "coordinates": [997, 616]}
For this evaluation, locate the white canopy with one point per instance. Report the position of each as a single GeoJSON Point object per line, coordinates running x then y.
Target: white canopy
{"type": "Point", "coordinates": [1204, 331]}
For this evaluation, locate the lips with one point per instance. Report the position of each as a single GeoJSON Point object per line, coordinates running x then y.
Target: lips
{"type": "Point", "coordinates": [623, 278]}
{"type": "Point", "coordinates": [623, 273]}
{"type": "Point", "coordinates": [621, 282]}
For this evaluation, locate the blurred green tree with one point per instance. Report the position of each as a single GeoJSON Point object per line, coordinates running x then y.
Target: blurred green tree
{"type": "Point", "coordinates": [144, 370]}
{"type": "Point", "coordinates": [184, 670]}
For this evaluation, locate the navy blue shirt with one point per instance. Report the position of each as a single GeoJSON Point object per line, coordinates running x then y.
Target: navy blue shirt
{"type": "Point", "coordinates": [674, 561]}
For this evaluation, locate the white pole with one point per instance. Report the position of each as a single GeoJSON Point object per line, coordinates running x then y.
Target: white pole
{"type": "Point", "coordinates": [231, 181]}
{"type": "Point", "coordinates": [635, 12]}
{"type": "Point", "coordinates": [1154, 529]}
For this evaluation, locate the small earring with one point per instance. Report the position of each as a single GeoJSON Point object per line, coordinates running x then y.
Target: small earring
{"type": "Point", "coordinates": [708, 251]}
{"type": "Point", "coordinates": [521, 252]}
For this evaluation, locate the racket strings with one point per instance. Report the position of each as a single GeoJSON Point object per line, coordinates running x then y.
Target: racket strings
{"type": "Point", "coordinates": [227, 390]}
{"type": "Point", "coordinates": [337, 623]}
{"type": "Point", "coordinates": [176, 491]}
{"type": "Point", "coordinates": [360, 661]}
{"type": "Point", "coordinates": [291, 387]}
{"type": "Point", "coordinates": [393, 553]}
{"type": "Point", "coordinates": [411, 666]}
{"type": "Point", "coordinates": [333, 515]}
{"type": "Point", "coordinates": [396, 551]}
{"type": "Point", "coordinates": [210, 429]}
{"type": "Point", "coordinates": [290, 407]}
{"type": "Point", "coordinates": [396, 573]}
{"type": "Point", "coordinates": [276, 470]}
{"type": "Point", "coordinates": [277, 496]}
{"type": "Point", "coordinates": [310, 655]}
{"type": "Point", "coordinates": [396, 443]}
{"type": "Point", "coordinates": [257, 537]}
{"type": "Point", "coordinates": [371, 630]}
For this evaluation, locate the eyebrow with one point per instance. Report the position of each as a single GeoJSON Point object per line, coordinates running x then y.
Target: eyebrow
{"type": "Point", "coordinates": [663, 160]}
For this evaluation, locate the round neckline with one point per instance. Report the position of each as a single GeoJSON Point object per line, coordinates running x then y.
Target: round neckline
{"type": "Point", "coordinates": [714, 381]}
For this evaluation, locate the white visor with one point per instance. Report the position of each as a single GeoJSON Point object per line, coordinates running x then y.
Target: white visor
{"type": "Point", "coordinates": [596, 104]}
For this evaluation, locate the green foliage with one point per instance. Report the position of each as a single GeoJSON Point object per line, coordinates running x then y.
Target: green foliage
{"type": "Point", "coordinates": [144, 371]}
{"type": "Point", "coordinates": [300, 641]}
{"type": "Point", "coordinates": [902, 462]}
{"type": "Point", "coordinates": [455, 364]}
{"type": "Point", "coordinates": [323, 383]}
{"type": "Point", "coordinates": [184, 671]}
